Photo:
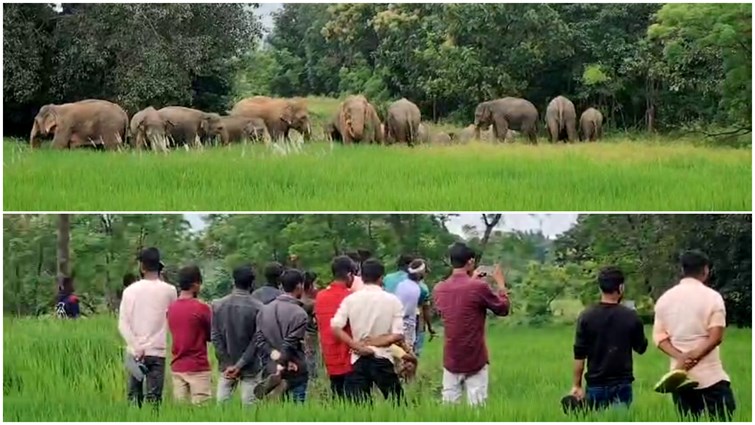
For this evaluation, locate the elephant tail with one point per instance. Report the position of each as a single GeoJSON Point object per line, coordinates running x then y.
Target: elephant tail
{"type": "Point", "coordinates": [561, 123]}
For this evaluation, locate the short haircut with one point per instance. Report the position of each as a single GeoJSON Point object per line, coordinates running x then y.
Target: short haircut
{"type": "Point", "coordinates": [403, 261]}
{"type": "Point", "coordinates": [243, 277]}
{"type": "Point", "coordinates": [610, 279]}
{"type": "Point", "coordinates": [309, 279]}
{"type": "Point", "coordinates": [290, 279]}
{"type": "Point", "coordinates": [372, 271]}
{"type": "Point", "coordinates": [273, 272]}
{"type": "Point", "coordinates": [353, 255]}
{"type": "Point", "coordinates": [460, 254]}
{"type": "Point", "coordinates": [149, 258]}
{"type": "Point", "coordinates": [694, 262]}
{"type": "Point", "coordinates": [415, 264]}
{"type": "Point", "coordinates": [128, 279]}
{"type": "Point", "coordinates": [342, 266]}
{"type": "Point", "coordinates": [188, 276]}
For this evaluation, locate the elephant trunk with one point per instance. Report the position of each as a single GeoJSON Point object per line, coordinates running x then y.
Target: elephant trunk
{"type": "Point", "coordinates": [34, 136]}
{"type": "Point", "coordinates": [307, 132]}
{"type": "Point", "coordinates": [477, 130]}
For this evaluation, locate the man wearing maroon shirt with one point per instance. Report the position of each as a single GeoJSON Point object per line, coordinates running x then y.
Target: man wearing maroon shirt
{"type": "Point", "coordinates": [189, 321]}
{"type": "Point", "coordinates": [462, 301]}
{"type": "Point", "coordinates": [335, 353]}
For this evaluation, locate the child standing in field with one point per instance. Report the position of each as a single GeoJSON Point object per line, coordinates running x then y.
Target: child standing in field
{"type": "Point", "coordinates": [606, 335]}
{"type": "Point", "coordinates": [189, 321]}
{"type": "Point", "coordinates": [142, 324]}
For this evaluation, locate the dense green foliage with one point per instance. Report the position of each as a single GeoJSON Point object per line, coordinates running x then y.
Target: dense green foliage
{"type": "Point", "coordinates": [540, 271]}
{"type": "Point", "coordinates": [644, 65]}
{"type": "Point", "coordinates": [136, 55]}
{"type": "Point", "coordinates": [657, 175]}
{"type": "Point", "coordinates": [72, 371]}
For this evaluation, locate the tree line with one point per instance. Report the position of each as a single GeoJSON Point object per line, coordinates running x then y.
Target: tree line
{"type": "Point", "coordinates": [645, 66]}
{"type": "Point", "coordinates": [546, 276]}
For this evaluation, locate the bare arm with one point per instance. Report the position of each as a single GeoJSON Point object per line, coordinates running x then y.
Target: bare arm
{"type": "Point", "coordinates": [497, 303]}
{"type": "Point", "coordinates": [579, 371]}
{"type": "Point", "coordinates": [384, 340]}
{"type": "Point", "coordinates": [427, 317]}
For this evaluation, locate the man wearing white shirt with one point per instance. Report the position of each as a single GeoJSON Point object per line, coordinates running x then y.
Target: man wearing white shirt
{"type": "Point", "coordinates": [143, 324]}
{"type": "Point", "coordinates": [376, 321]}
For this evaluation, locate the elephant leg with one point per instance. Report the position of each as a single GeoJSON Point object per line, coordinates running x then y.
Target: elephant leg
{"type": "Point", "coordinates": [500, 128]}
{"type": "Point", "coordinates": [571, 131]}
{"type": "Point", "coordinates": [553, 130]}
{"type": "Point", "coordinates": [531, 131]}
{"type": "Point", "coordinates": [62, 138]}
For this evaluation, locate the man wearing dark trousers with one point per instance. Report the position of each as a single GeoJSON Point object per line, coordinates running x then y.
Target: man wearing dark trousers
{"type": "Point", "coordinates": [377, 315]}
{"type": "Point", "coordinates": [606, 334]}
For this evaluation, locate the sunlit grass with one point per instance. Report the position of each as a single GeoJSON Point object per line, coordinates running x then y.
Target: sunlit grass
{"type": "Point", "coordinates": [616, 175]}
{"type": "Point", "coordinates": [72, 371]}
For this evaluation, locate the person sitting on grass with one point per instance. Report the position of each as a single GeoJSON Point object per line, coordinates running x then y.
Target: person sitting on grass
{"type": "Point", "coordinates": [606, 334]}
{"type": "Point", "coordinates": [67, 306]}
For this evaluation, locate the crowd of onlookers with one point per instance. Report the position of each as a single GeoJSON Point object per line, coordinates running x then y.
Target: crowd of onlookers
{"type": "Point", "coordinates": [368, 328]}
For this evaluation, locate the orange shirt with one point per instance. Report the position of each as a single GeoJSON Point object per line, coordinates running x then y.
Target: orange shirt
{"type": "Point", "coordinates": [683, 314]}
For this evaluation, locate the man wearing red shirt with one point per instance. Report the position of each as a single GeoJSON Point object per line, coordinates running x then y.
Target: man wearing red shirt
{"type": "Point", "coordinates": [462, 301]}
{"type": "Point", "coordinates": [189, 321]}
{"type": "Point", "coordinates": [335, 353]}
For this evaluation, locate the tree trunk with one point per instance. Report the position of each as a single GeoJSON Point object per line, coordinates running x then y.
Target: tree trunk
{"type": "Point", "coordinates": [490, 221]}
{"type": "Point", "coordinates": [64, 239]}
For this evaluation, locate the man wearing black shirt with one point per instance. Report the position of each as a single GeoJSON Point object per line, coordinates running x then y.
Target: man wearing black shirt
{"type": "Point", "coordinates": [606, 335]}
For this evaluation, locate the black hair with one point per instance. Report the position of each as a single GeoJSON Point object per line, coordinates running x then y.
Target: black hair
{"type": "Point", "coordinates": [273, 272]}
{"type": "Point", "coordinates": [372, 271]}
{"type": "Point", "coordinates": [243, 277]}
{"type": "Point", "coordinates": [290, 279]}
{"type": "Point", "coordinates": [149, 258]}
{"type": "Point", "coordinates": [694, 262]}
{"type": "Point", "coordinates": [460, 254]}
{"type": "Point", "coordinates": [128, 279]}
{"type": "Point", "coordinates": [342, 266]}
{"type": "Point", "coordinates": [188, 276]}
{"type": "Point", "coordinates": [309, 279]}
{"type": "Point", "coordinates": [403, 261]}
{"type": "Point", "coordinates": [610, 279]}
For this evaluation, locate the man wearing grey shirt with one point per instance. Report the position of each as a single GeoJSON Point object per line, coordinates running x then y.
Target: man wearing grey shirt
{"type": "Point", "coordinates": [234, 324]}
{"type": "Point", "coordinates": [270, 291]}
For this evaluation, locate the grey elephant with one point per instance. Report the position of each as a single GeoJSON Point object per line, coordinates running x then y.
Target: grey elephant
{"type": "Point", "coordinates": [402, 122]}
{"type": "Point", "coordinates": [358, 121]}
{"type": "Point", "coordinates": [332, 132]}
{"type": "Point", "coordinates": [190, 126]}
{"type": "Point", "coordinates": [442, 138]}
{"type": "Point", "coordinates": [591, 124]}
{"type": "Point", "coordinates": [90, 122]}
{"type": "Point", "coordinates": [561, 119]}
{"type": "Point", "coordinates": [238, 128]}
{"type": "Point", "coordinates": [280, 115]}
{"type": "Point", "coordinates": [507, 113]}
{"type": "Point", "coordinates": [467, 134]}
{"type": "Point", "coordinates": [423, 133]}
{"type": "Point", "coordinates": [149, 128]}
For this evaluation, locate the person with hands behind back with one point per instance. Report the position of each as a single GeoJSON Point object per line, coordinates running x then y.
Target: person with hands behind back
{"type": "Point", "coordinates": [463, 300]}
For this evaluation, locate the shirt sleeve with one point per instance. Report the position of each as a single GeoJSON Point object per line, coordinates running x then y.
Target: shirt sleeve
{"type": "Point", "coordinates": [581, 339]}
{"type": "Point", "coordinates": [397, 321]}
{"type": "Point", "coordinates": [639, 340]}
{"type": "Point", "coordinates": [217, 337]}
{"type": "Point", "coordinates": [717, 317]}
{"type": "Point", "coordinates": [660, 333]}
{"type": "Point", "coordinates": [341, 317]}
{"type": "Point", "coordinates": [208, 321]}
{"type": "Point", "coordinates": [125, 313]}
{"type": "Point", "coordinates": [497, 303]}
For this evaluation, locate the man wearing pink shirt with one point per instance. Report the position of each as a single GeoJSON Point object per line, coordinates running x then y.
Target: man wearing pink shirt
{"type": "Point", "coordinates": [689, 326]}
{"type": "Point", "coordinates": [143, 324]}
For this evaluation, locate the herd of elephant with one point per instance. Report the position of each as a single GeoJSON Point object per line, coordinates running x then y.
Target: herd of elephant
{"type": "Point", "coordinates": [100, 123]}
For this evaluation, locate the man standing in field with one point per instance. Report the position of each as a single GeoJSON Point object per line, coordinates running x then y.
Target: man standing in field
{"type": "Point", "coordinates": [391, 280]}
{"type": "Point", "coordinates": [335, 353]}
{"type": "Point", "coordinates": [143, 325]}
{"type": "Point", "coordinates": [189, 321]}
{"type": "Point", "coordinates": [358, 257]}
{"type": "Point", "coordinates": [234, 323]}
{"type": "Point", "coordinates": [371, 313]}
{"type": "Point", "coordinates": [462, 301]}
{"type": "Point", "coordinates": [271, 289]}
{"type": "Point", "coordinates": [281, 327]}
{"type": "Point", "coordinates": [310, 340]}
{"type": "Point", "coordinates": [408, 292]}
{"type": "Point", "coordinates": [689, 326]}
{"type": "Point", "coordinates": [605, 337]}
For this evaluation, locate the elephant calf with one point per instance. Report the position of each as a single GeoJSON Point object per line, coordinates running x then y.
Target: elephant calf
{"type": "Point", "coordinates": [190, 126]}
{"type": "Point", "coordinates": [591, 124]}
{"type": "Point", "coordinates": [148, 127]}
{"type": "Point", "coordinates": [561, 119]}
{"type": "Point", "coordinates": [90, 122]}
{"type": "Point", "coordinates": [238, 128]}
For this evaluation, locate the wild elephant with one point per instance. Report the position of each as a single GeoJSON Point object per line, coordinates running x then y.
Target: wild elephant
{"type": "Point", "coordinates": [402, 122]}
{"type": "Point", "coordinates": [358, 121]}
{"type": "Point", "coordinates": [423, 133]}
{"type": "Point", "coordinates": [190, 126]}
{"type": "Point", "coordinates": [237, 128]}
{"type": "Point", "coordinates": [504, 114]}
{"type": "Point", "coordinates": [332, 132]}
{"type": "Point", "coordinates": [591, 124]}
{"type": "Point", "coordinates": [561, 119]}
{"type": "Point", "coordinates": [442, 138]}
{"type": "Point", "coordinates": [467, 134]}
{"type": "Point", "coordinates": [90, 122]}
{"type": "Point", "coordinates": [280, 115]}
{"type": "Point", "coordinates": [149, 128]}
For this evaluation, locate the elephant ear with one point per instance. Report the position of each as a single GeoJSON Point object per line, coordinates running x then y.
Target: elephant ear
{"type": "Point", "coordinates": [49, 119]}
{"type": "Point", "coordinates": [169, 124]}
{"type": "Point", "coordinates": [287, 115]}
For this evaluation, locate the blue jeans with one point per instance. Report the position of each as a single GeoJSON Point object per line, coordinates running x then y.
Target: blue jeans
{"type": "Point", "coordinates": [298, 393]}
{"type": "Point", "coordinates": [606, 396]}
{"type": "Point", "coordinates": [419, 342]}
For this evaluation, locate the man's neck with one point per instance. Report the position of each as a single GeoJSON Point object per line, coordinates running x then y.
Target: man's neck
{"type": "Point", "coordinates": [272, 285]}
{"type": "Point", "coordinates": [186, 295]}
{"type": "Point", "coordinates": [609, 299]}
{"type": "Point", "coordinates": [151, 276]}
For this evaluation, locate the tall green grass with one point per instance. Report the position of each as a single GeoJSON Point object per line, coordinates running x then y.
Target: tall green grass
{"type": "Point", "coordinates": [72, 371]}
{"type": "Point", "coordinates": [514, 177]}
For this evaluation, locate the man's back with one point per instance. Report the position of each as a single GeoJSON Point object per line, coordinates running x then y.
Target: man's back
{"type": "Point", "coordinates": [606, 335]}
{"type": "Point", "coordinates": [266, 294]}
{"type": "Point", "coordinates": [391, 280]}
{"type": "Point", "coordinates": [142, 316]}
{"type": "Point", "coordinates": [234, 320]}
{"type": "Point", "coordinates": [335, 353]}
{"type": "Point", "coordinates": [408, 292]}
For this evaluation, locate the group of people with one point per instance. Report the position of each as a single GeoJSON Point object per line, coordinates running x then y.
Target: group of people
{"type": "Point", "coordinates": [369, 328]}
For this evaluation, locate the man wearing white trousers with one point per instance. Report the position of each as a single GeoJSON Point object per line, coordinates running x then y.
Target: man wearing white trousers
{"type": "Point", "coordinates": [462, 301]}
